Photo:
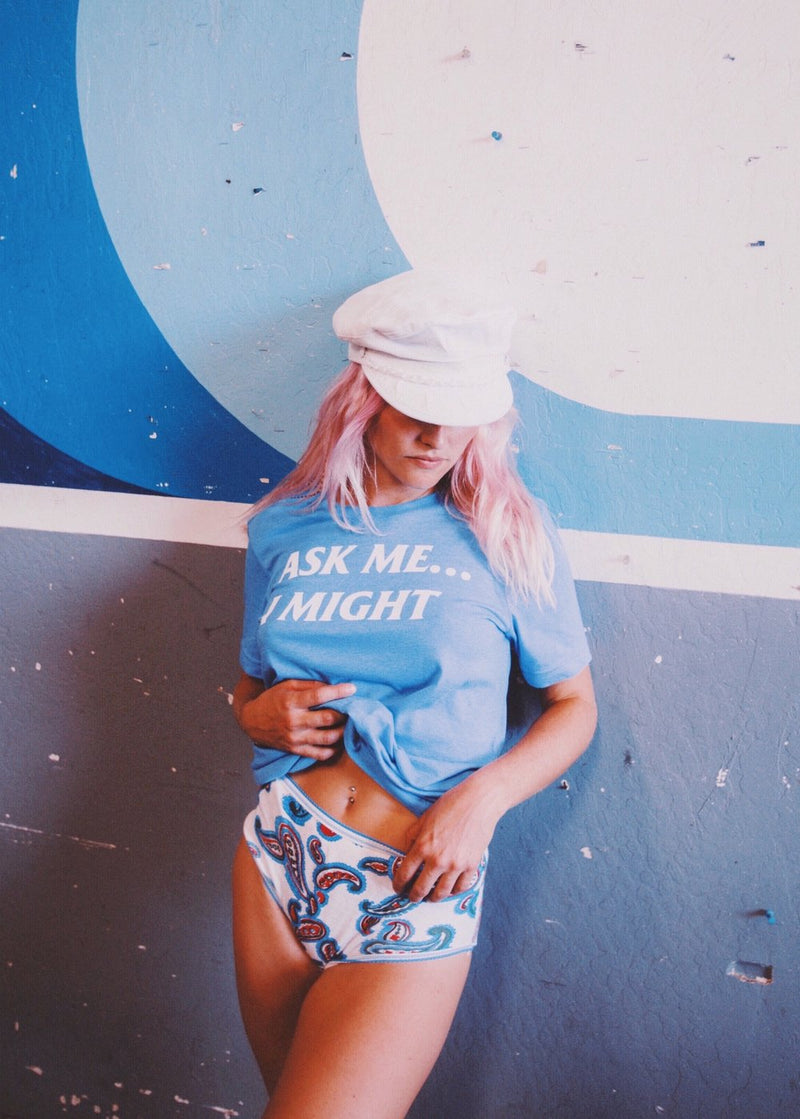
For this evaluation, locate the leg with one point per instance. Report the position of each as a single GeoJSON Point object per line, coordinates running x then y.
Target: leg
{"type": "Point", "coordinates": [367, 1037]}
{"type": "Point", "coordinates": [273, 972]}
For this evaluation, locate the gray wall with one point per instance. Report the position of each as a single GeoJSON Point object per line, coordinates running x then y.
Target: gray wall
{"type": "Point", "coordinates": [615, 906]}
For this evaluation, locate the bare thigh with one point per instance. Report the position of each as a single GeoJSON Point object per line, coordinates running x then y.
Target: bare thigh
{"type": "Point", "coordinates": [367, 1037]}
{"type": "Point", "coordinates": [273, 971]}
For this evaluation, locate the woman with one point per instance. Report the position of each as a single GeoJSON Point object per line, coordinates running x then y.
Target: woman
{"type": "Point", "coordinates": [392, 579]}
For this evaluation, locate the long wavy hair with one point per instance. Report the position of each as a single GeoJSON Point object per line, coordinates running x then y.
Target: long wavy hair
{"type": "Point", "coordinates": [483, 488]}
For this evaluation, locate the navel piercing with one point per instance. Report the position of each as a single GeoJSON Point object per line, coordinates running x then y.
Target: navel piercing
{"type": "Point", "coordinates": [352, 798]}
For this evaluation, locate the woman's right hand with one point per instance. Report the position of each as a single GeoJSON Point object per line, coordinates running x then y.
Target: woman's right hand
{"type": "Point", "coordinates": [291, 715]}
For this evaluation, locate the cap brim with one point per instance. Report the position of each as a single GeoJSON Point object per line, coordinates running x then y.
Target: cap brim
{"type": "Point", "coordinates": [461, 403]}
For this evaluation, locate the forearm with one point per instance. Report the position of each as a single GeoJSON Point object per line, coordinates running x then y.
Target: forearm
{"type": "Point", "coordinates": [448, 840]}
{"type": "Point", "coordinates": [554, 743]}
{"type": "Point", "coordinates": [247, 688]}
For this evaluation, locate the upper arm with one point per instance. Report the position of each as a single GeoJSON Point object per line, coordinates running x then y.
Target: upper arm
{"type": "Point", "coordinates": [577, 687]}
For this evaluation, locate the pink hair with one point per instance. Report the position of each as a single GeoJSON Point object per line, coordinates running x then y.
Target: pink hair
{"type": "Point", "coordinates": [483, 488]}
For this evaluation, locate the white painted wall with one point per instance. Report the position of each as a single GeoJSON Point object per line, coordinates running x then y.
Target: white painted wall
{"type": "Point", "coordinates": [639, 198]}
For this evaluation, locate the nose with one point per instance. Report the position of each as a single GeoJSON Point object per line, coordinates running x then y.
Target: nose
{"type": "Point", "coordinates": [432, 435]}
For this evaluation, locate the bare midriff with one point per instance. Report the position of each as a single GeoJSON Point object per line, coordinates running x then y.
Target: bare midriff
{"type": "Point", "coordinates": [347, 793]}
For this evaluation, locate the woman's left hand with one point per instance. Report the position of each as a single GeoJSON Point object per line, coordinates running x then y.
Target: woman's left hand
{"type": "Point", "coordinates": [446, 844]}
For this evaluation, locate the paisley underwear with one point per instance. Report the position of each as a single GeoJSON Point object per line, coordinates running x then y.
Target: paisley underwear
{"type": "Point", "coordinates": [335, 887]}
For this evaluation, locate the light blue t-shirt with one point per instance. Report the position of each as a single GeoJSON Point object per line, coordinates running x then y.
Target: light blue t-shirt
{"type": "Point", "coordinates": [415, 618]}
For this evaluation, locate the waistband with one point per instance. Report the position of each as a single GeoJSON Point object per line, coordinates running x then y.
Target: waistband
{"type": "Point", "coordinates": [287, 786]}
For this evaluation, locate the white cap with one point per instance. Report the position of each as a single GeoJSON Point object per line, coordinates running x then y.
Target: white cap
{"type": "Point", "coordinates": [433, 346]}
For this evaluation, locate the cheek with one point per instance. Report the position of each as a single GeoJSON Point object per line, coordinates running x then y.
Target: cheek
{"type": "Point", "coordinates": [461, 442]}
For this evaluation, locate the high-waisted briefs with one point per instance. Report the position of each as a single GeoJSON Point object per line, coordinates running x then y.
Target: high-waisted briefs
{"type": "Point", "coordinates": [335, 886]}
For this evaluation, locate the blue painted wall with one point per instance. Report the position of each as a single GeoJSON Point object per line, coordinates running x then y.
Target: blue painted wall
{"type": "Point", "coordinates": [172, 246]}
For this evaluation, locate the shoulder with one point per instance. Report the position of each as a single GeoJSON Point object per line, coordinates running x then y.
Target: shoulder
{"type": "Point", "coordinates": [267, 528]}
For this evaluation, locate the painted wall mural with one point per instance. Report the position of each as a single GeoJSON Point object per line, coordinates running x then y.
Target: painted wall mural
{"type": "Point", "coordinates": [170, 286]}
{"type": "Point", "coordinates": [188, 188]}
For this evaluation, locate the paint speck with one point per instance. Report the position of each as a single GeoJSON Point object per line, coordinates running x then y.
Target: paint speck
{"type": "Point", "coordinates": [581, 47]}
{"type": "Point", "coordinates": [38, 666]}
{"type": "Point", "coordinates": [659, 659]}
{"type": "Point", "coordinates": [345, 56]}
{"type": "Point", "coordinates": [587, 852]}
{"type": "Point", "coordinates": [729, 57]}
{"type": "Point", "coordinates": [258, 190]}
{"type": "Point", "coordinates": [756, 244]}
{"type": "Point", "coordinates": [564, 785]}
{"type": "Point", "coordinates": [497, 135]}
{"type": "Point", "coordinates": [237, 126]}
{"type": "Point", "coordinates": [540, 268]}
{"type": "Point", "coordinates": [722, 778]}
{"type": "Point", "coordinates": [35, 1070]}
{"type": "Point", "coordinates": [228, 1112]}
{"type": "Point", "coordinates": [13, 172]}
{"type": "Point", "coordinates": [178, 1099]}
{"type": "Point", "coordinates": [54, 757]}
{"type": "Point", "coordinates": [153, 435]}
{"type": "Point", "coordinates": [290, 236]}
{"type": "Point", "coordinates": [264, 481]}
{"type": "Point", "coordinates": [770, 915]}
{"type": "Point", "coordinates": [613, 447]}
{"type": "Point", "coordinates": [142, 947]}
{"type": "Point", "coordinates": [165, 267]}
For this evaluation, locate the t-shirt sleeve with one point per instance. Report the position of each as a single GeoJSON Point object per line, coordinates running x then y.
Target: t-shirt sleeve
{"type": "Point", "coordinates": [551, 639]}
{"type": "Point", "coordinates": [255, 589]}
